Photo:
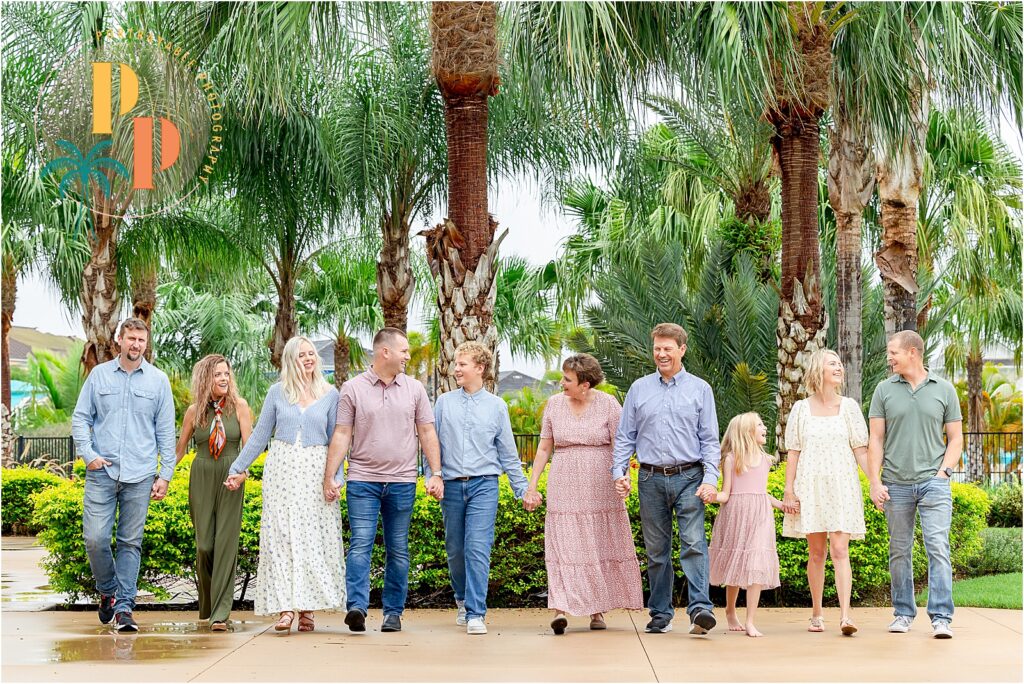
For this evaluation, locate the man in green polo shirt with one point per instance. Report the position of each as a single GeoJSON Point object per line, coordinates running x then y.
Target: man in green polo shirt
{"type": "Point", "coordinates": [909, 466]}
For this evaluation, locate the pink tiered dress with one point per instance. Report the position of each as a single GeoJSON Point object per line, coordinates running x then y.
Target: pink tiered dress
{"type": "Point", "coordinates": [743, 538]}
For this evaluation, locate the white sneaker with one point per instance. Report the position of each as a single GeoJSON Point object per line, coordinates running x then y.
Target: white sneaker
{"type": "Point", "coordinates": [901, 624]}
{"type": "Point", "coordinates": [941, 630]}
{"type": "Point", "coordinates": [460, 619]}
{"type": "Point", "coordinates": [476, 626]}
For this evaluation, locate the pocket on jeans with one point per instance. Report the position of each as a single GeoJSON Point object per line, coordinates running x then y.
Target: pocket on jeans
{"type": "Point", "coordinates": [644, 475]}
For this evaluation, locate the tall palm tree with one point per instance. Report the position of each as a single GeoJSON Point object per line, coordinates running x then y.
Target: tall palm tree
{"type": "Point", "coordinates": [339, 289]}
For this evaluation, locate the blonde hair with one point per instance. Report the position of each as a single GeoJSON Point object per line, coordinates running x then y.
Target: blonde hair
{"type": "Point", "coordinates": [293, 380]}
{"type": "Point", "coordinates": [202, 387]}
{"type": "Point", "coordinates": [814, 376]}
{"type": "Point", "coordinates": [478, 354]}
{"type": "Point", "coordinates": [741, 441]}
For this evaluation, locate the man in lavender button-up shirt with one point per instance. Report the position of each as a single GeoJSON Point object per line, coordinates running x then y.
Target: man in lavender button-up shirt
{"type": "Point", "coordinates": [669, 420]}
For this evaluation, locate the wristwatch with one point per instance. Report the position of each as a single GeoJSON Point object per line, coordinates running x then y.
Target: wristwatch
{"type": "Point", "coordinates": [949, 472]}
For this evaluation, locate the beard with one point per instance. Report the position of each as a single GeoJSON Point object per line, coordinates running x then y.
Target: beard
{"type": "Point", "coordinates": [133, 357]}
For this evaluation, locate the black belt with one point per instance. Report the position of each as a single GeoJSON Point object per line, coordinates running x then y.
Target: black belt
{"type": "Point", "coordinates": [670, 470]}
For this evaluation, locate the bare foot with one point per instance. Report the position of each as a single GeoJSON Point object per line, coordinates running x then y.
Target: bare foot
{"type": "Point", "coordinates": [734, 624]}
{"type": "Point", "coordinates": [752, 631]}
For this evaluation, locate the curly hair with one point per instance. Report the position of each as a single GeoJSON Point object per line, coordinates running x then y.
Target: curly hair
{"type": "Point", "coordinates": [478, 354]}
{"type": "Point", "coordinates": [202, 387]}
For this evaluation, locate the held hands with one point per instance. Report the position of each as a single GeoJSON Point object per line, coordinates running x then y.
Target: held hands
{"type": "Point", "coordinates": [532, 499]}
{"type": "Point", "coordinates": [435, 486]}
{"type": "Point", "coordinates": [332, 491]}
{"type": "Point", "coordinates": [707, 493]}
{"type": "Point", "coordinates": [879, 495]}
{"type": "Point", "coordinates": [790, 504]}
{"type": "Point", "coordinates": [159, 490]}
{"type": "Point", "coordinates": [235, 481]}
{"type": "Point", "coordinates": [622, 487]}
{"type": "Point", "coordinates": [97, 463]}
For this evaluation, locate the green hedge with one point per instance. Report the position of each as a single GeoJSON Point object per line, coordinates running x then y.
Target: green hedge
{"type": "Point", "coordinates": [1007, 506]}
{"type": "Point", "coordinates": [18, 486]}
{"type": "Point", "coordinates": [1000, 553]}
{"type": "Point", "coordinates": [517, 564]}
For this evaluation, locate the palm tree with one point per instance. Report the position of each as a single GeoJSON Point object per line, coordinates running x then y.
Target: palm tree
{"type": "Point", "coordinates": [524, 311]}
{"type": "Point", "coordinates": [339, 289]}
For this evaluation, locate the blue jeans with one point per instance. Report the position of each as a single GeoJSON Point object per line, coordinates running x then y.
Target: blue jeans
{"type": "Point", "coordinates": [661, 498]}
{"type": "Point", "coordinates": [116, 576]}
{"type": "Point", "coordinates": [932, 499]}
{"type": "Point", "coordinates": [393, 502]}
{"type": "Point", "coordinates": [469, 508]}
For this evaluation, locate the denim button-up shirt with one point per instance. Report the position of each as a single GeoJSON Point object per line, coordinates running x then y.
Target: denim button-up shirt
{"type": "Point", "coordinates": [668, 424]}
{"type": "Point", "coordinates": [476, 438]}
{"type": "Point", "coordinates": [126, 418]}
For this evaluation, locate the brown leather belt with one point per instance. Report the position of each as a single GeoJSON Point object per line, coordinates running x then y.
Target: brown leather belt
{"type": "Point", "coordinates": [670, 470]}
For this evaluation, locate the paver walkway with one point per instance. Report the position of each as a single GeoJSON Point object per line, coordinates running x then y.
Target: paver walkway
{"type": "Point", "coordinates": [45, 645]}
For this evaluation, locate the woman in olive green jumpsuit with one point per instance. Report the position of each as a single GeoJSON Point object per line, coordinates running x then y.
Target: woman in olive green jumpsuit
{"type": "Point", "coordinates": [220, 421]}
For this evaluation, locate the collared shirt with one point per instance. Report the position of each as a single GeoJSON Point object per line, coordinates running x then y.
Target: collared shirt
{"type": "Point", "coordinates": [476, 438]}
{"type": "Point", "coordinates": [289, 422]}
{"type": "Point", "coordinates": [668, 424]}
{"type": "Point", "coordinates": [126, 418]}
{"type": "Point", "coordinates": [914, 447]}
{"type": "Point", "coordinates": [383, 419]}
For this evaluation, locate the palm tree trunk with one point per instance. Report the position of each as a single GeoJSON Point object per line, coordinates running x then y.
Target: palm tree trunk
{"type": "Point", "coordinates": [975, 418]}
{"type": "Point", "coordinates": [100, 298]}
{"type": "Point", "coordinates": [7, 304]}
{"type": "Point", "coordinates": [803, 322]}
{"type": "Point", "coordinates": [395, 282]}
{"type": "Point", "coordinates": [342, 359]}
{"type": "Point", "coordinates": [144, 303]}
{"type": "Point", "coordinates": [465, 64]}
{"type": "Point", "coordinates": [851, 181]}
{"type": "Point", "coordinates": [899, 186]}
{"type": "Point", "coordinates": [285, 322]}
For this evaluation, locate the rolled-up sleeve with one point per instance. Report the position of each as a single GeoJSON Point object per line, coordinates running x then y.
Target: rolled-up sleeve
{"type": "Point", "coordinates": [625, 436]}
{"type": "Point", "coordinates": [707, 433]}
{"type": "Point", "coordinates": [82, 420]}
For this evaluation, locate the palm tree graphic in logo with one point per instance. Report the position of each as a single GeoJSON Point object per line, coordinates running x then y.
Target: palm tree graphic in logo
{"type": "Point", "coordinates": [84, 169]}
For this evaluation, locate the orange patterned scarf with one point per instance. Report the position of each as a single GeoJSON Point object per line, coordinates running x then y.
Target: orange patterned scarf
{"type": "Point", "coordinates": [218, 436]}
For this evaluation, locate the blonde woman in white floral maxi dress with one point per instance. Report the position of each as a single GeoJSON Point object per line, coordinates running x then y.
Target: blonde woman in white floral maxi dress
{"type": "Point", "coordinates": [826, 439]}
{"type": "Point", "coordinates": [302, 559]}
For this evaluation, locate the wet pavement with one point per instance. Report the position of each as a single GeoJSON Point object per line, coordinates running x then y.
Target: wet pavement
{"type": "Point", "coordinates": [45, 645]}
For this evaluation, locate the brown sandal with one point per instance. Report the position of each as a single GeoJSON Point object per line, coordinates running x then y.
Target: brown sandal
{"type": "Point", "coordinates": [219, 626]}
{"type": "Point", "coordinates": [597, 621]}
{"type": "Point", "coordinates": [847, 627]}
{"type": "Point", "coordinates": [306, 621]}
{"type": "Point", "coordinates": [284, 623]}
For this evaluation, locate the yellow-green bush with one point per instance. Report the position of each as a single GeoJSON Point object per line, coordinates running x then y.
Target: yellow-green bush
{"type": "Point", "coordinates": [517, 562]}
{"type": "Point", "coordinates": [18, 486]}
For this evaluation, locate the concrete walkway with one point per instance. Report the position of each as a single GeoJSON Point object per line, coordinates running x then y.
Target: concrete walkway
{"type": "Point", "coordinates": [172, 646]}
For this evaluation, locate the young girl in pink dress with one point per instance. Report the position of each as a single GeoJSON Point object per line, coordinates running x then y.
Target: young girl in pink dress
{"type": "Point", "coordinates": [742, 550]}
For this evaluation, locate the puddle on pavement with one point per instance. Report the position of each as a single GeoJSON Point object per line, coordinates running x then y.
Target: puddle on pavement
{"type": "Point", "coordinates": [139, 647]}
{"type": "Point", "coordinates": [178, 627]}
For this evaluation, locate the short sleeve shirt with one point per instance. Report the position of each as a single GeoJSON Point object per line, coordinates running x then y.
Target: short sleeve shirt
{"type": "Point", "coordinates": [914, 421]}
{"type": "Point", "coordinates": [383, 420]}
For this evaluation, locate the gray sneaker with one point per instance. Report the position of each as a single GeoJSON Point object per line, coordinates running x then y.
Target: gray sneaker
{"type": "Point", "coordinates": [460, 619]}
{"type": "Point", "coordinates": [941, 630]}
{"type": "Point", "coordinates": [901, 624]}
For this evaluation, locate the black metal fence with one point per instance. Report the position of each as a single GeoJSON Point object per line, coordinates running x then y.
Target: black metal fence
{"type": "Point", "coordinates": [1000, 453]}
{"type": "Point", "coordinates": [40, 450]}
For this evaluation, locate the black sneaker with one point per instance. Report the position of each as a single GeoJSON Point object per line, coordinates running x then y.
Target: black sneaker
{"type": "Point", "coordinates": [106, 609]}
{"type": "Point", "coordinates": [392, 623]}
{"type": "Point", "coordinates": [124, 622]}
{"type": "Point", "coordinates": [659, 625]}
{"type": "Point", "coordinates": [356, 620]}
{"type": "Point", "coordinates": [703, 622]}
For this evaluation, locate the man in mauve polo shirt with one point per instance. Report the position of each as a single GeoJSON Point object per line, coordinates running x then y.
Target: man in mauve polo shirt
{"type": "Point", "coordinates": [669, 420]}
{"type": "Point", "coordinates": [381, 414]}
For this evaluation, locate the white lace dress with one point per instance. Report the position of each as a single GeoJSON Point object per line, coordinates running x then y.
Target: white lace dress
{"type": "Point", "coordinates": [826, 483]}
{"type": "Point", "coordinates": [302, 557]}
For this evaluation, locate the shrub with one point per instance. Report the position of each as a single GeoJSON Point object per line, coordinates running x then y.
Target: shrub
{"type": "Point", "coordinates": [517, 563]}
{"type": "Point", "coordinates": [1006, 506]}
{"type": "Point", "coordinates": [18, 486]}
{"type": "Point", "coordinates": [1001, 549]}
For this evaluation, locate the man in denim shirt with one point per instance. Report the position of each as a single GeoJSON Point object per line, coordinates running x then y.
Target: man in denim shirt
{"type": "Point", "coordinates": [124, 417]}
{"type": "Point", "coordinates": [669, 420]}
